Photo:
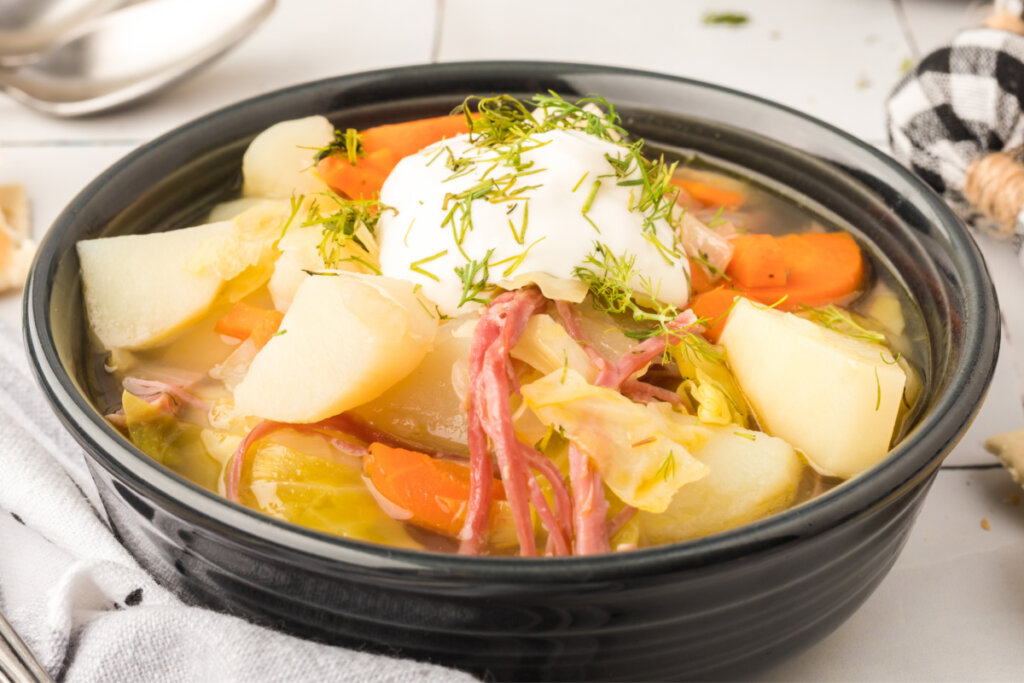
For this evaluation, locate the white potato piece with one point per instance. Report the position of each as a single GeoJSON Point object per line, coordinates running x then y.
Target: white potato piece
{"type": "Point", "coordinates": [832, 396]}
{"type": "Point", "coordinates": [750, 475]}
{"type": "Point", "coordinates": [299, 254]}
{"type": "Point", "coordinates": [344, 341]}
{"type": "Point", "coordinates": [425, 407]}
{"type": "Point", "coordinates": [225, 211]}
{"type": "Point", "coordinates": [279, 161]}
{"type": "Point", "coordinates": [139, 289]}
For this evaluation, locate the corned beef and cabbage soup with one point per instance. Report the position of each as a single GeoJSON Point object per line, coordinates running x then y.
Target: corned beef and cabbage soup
{"type": "Point", "coordinates": [514, 330]}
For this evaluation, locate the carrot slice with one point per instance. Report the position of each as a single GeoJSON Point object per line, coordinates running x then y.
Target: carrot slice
{"type": "Point", "coordinates": [361, 180]}
{"type": "Point", "coordinates": [410, 137]}
{"type": "Point", "coordinates": [709, 195]}
{"type": "Point", "coordinates": [245, 320]}
{"type": "Point", "coordinates": [757, 261]}
{"type": "Point", "coordinates": [700, 281]}
{"type": "Point", "coordinates": [713, 308]}
{"type": "Point", "coordinates": [435, 492]}
{"type": "Point", "coordinates": [821, 268]}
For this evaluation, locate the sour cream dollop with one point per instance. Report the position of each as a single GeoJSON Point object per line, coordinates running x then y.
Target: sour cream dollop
{"type": "Point", "coordinates": [546, 212]}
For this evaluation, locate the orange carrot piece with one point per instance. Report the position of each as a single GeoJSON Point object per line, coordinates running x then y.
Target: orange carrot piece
{"type": "Point", "coordinates": [245, 320]}
{"type": "Point", "coordinates": [709, 195]}
{"type": "Point", "coordinates": [435, 492]}
{"type": "Point", "coordinates": [757, 261]}
{"type": "Point", "coordinates": [384, 147]}
{"type": "Point", "coordinates": [700, 281]}
{"type": "Point", "coordinates": [361, 180]}
{"type": "Point", "coordinates": [410, 137]}
{"type": "Point", "coordinates": [822, 268]}
{"type": "Point", "coordinates": [713, 307]}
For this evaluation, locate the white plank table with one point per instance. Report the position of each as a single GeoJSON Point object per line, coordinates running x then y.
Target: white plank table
{"type": "Point", "coordinates": [953, 606]}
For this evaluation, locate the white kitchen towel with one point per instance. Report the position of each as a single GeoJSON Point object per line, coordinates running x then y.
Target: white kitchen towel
{"type": "Point", "coordinates": [87, 609]}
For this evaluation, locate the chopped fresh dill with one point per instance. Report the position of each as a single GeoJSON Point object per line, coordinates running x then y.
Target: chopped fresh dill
{"type": "Point", "coordinates": [417, 266]}
{"type": "Point", "coordinates": [279, 333]}
{"type": "Point", "coordinates": [591, 196]}
{"type": "Point", "coordinates": [364, 263]}
{"type": "Point", "coordinates": [520, 236]}
{"type": "Point", "coordinates": [715, 273]}
{"type": "Point", "coordinates": [424, 306]}
{"type": "Point", "coordinates": [895, 360]}
{"type": "Point", "coordinates": [405, 239]}
{"type": "Point", "coordinates": [565, 365]}
{"type": "Point", "coordinates": [776, 304]}
{"type": "Point", "coordinates": [296, 204]}
{"type": "Point", "coordinates": [518, 259]}
{"type": "Point", "coordinates": [474, 276]}
{"type": "Point", "coordinates": [542, 443]}
{"type": "Point", "coordinates": [609, 278]}
{"type": "Point", "coordinates": [725, 18]}
{"type": "Point", "coordinates": [717, 219]}
{"type": "Point", "coordinates": [878, 397]}
{"type": "Point", "coordinates": [744, 435]}
{"type": "Point", "coordinates": [339, 228]}
{"type": "Point", "coordinates": [348, 144]}
{"type": "Point", "coordinates": [835, 319]}
{"type": "Point", "coordinates": [667, 471]}
{"type": "Point", "coordinates": [670, 254]}
{"type": "Point", "coordinates": [580, 181]}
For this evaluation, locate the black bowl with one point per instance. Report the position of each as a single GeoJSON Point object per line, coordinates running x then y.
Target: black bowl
{"type": "Point", "coordinates": [721, 605]}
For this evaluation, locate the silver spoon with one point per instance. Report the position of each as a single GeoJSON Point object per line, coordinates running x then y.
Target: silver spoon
{"type": "Point", "coordinates": [16, 661]}
{"type": "Point", "coordinates": [28, 27]}
{"type": "Point", "coordinates": [131, 53]}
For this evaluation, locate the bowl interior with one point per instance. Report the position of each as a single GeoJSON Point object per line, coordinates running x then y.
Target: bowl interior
{"type": "Point", "coordinates": [918, 244]}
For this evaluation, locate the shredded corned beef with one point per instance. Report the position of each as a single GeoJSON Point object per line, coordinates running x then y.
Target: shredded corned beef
{"type": "Point", "coordinates": [151, 390]}
{"type": "Point", "coordinates": [491, 382]}
{"type": "Point", "coordinates": [590, 508]}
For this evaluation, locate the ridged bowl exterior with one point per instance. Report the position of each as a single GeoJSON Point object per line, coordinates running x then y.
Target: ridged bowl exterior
{"type": "Point", "coordinates": [725, 605]}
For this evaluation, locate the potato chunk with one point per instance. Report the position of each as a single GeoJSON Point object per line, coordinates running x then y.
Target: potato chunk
{"type": "Point", "coordinates": [139, 289]}
{"type": "Point", "coordinates": [750, 475]}
{"type": "Point", "coordinates": [424, 407]}
{"type": "Point", "coordinates": [834, 397]}
{"type": "Point", "coordinates": [279, 161]}
{"type": "Point", "coordinates": [345, 339]}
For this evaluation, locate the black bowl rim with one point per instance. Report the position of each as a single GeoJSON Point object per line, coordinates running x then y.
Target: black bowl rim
{"type": "Point", "coordinates": [910, 463]}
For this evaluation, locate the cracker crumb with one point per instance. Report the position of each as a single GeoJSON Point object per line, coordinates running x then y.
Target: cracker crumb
{"type": "Point", "coordinates": [985, 525]}
{"type": "Point", "coordinates": [1012, 499]}
{"type": "Point", "coordinates": [16, 245]}
{"type": "Point", "coordinates": [1009, 448]}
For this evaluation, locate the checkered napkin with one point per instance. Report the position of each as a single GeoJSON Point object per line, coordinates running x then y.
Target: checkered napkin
{"type": "Point", "coordinates": [960, 103]}
{"type": "Point", "coordinates": [85, 607]}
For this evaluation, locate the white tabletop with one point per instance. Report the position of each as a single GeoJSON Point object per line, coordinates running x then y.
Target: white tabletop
{"type": "Point", "coordinates": [953, 606]}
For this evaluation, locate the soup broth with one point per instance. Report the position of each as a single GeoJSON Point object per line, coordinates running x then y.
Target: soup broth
{"type": "Point", "coordinates": [401, 468]}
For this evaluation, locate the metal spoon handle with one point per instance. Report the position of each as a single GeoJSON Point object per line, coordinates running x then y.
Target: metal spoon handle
{"type": "Point", "coordinates": [17, 663]}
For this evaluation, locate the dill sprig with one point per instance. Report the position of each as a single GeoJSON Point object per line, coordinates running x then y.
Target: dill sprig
{"type": "Point", "coordinates": [339, 228]}
{"type": "Point", "coordinates": [474, 276]}
{"type": "Point", "coordinates": [667, 471]}
{"type": "Point", "coordinates": [417, 266]}
{"type": "Point", "coordinates": [348, 144]}
{"type": "Point", "coordinates": [836, 319]}
{"type": "Point", "coordinates": [610, 280]}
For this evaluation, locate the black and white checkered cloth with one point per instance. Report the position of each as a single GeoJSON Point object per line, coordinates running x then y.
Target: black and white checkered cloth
{"type": "Point", "coordinates": [960, 103]}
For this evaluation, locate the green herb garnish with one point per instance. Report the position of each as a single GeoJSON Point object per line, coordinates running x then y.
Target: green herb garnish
{"type": "Point", "coordinates": [417, 266]}
{"type": "Point", "coordinates": [835, 319]}
{"type": "Point", "coordinates": [474, 279]}
{"type": "Point", "coordinates": [348, 144]}
{"type": "Point", "coordinates": [726, 18]}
